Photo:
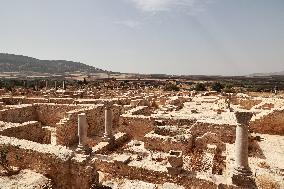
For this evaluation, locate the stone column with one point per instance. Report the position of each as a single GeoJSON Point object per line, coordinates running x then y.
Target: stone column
{"type": "Point", "coordinates": [108, 136]}
{"type": "Point", "coordinates": [241, 144]}
{"type": "Point", "coordinates": [63, 85]}
{"type": "Point", "coordinates": [55, 85]}
{"type": "Point", "coordinates": [36, 86]}
{"type": "Point", "coordinates": [82, 130]}
{"type": "Point", "coordinates": [242, 170]}
{"type": "Point", "coordinates": [46, 84]}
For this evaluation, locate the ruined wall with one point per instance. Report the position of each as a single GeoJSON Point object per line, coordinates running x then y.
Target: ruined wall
{"type": "Point", "coordinates": [29, 131]}
{"type": "Point", "coordinates": [136, 126]}
{"type": "Point", "coordinates": [67, 128]}
{"type": "Point", "coordinates": [179, 122]}
{"type": "Point", "coordinates": [157, 177]}
{"type": "Point", "coordinates": [153, 141]}
{"type": "Point", "coordinates": [18, 114]}
{"type": "Point", "coordinates": [245, 103]}
{"type": "Point", "coordinates": [23, 100]}
{"type": "Point", "coordinates": [50, 114]}
{"type": "Point", "coordinates": [272, 123]}
{"type": "Point", "coordinates": [55, 162]}
{"type": "Point", "coordinates": [40, 158]}
{"type": "Point", "coordinates": [61, 100]}
{"type": "Point", "coordinates": [226, 133]}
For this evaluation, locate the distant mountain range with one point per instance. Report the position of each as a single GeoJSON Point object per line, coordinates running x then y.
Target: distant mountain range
{"type": "Point", "coordinates": [267, 74]}
{"type": "Point", "coordinates": [19, 63]}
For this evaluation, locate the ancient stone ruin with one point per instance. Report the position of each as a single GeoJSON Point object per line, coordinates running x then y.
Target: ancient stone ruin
{"type": "Point", "coordinates": [137, 139]}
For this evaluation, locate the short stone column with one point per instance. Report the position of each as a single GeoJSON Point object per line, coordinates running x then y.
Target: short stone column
{"type": "Point", "coordinates": [108, 136]}
{"type": "Point", "coordinates": [176, 162]}
{"type": "Point", "coordinates": [82, 130]}
{"type": "Point", "coordinates": [242, 170]}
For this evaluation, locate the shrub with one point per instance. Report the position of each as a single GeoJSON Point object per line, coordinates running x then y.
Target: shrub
{"type": "Point", "coordinates": [200, 87]}
{"type": "Point", "coordinates": [171, 87]}
{"type": "Point", "coordinates": [216, 86]}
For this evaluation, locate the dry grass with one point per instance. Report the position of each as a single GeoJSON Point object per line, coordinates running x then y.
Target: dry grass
{"type": "Point", "coordinates": [266, 182]}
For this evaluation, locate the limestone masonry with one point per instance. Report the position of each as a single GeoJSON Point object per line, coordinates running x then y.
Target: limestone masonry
{"type": "Point", "coordinates": [118, 138]}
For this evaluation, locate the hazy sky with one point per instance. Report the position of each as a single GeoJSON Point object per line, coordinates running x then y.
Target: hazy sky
{"type": "Point", "coordinates": [229, 37]}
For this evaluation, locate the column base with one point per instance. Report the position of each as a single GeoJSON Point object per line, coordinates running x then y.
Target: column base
{"type": "Point", "coordinates": [174, 170]}
{"type": "Point", "coordinates": [242, 171]}
{"type": "Point", "coordinates": [108, 138]}
{"type": "Point", "coordinates": [81, 149]}
{"type": "Point", "coordinates": [244, 181]}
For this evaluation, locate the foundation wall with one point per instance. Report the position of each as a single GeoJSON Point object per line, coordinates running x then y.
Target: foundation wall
{"type": "Point", "coordinates": [18, 114]}
{"type": "Point", "coordinates": [165, 145]}
{"type": "Point", "coordinates": [31, 131]}
{"type": "Point", "coordinates": [273, 124]}
{"type": "Point", "coordinates": [179, 122]}
{"type": "Point", "coordinates": [50, 114]}
{"type": "Point", "coordinates": [136, 127]}
{"type": "Point", "coordinates": [66, 130]}
{"type": "Point", "coordinates": [55, 162]}
{"type": "Point", "coordinates": [23, 100]}
{"type": "Point", "coordinates": [226, 133]}
{"type": "Point", "coordinates": [45, 163]}
{"type": "Point", "coordinates": [130, 172]}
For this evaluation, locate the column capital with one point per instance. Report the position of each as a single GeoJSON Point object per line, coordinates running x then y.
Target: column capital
{"type": "Point", "coordinates": [243, 117]}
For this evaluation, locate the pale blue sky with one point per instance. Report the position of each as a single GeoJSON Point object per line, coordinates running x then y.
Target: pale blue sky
{"type": "Point", "coordinates": [229, 37]}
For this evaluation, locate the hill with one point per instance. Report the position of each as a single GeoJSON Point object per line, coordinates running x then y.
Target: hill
{"type": "Point", "coordinates": [281, 73]}
{"type": "Point", "coordinates": [19, 63]}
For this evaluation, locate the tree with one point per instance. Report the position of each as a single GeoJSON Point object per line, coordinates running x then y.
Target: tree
{"type": "Point", "coordinates": [85, 81]}
{"type": "Point", "coordinates": [216, 86]}
{"type": "Point", "coordinates": [200, 87]}
{"type": "Point", "coordinates": [171, 87]}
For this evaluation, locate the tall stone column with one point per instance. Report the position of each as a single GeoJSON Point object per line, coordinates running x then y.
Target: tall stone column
{"type": "Point", "coordinates": [82, 130]}
{"type": "Point", "coordinates": [63, 85]}
{"type": "Point", "coordinates": [55, 85]}
{"type": "Point", "coordinates": [108, 136]}
{"type": "Point", "coordinates": [46, 84]}
{"type": "Point", "coordinates": [242, 170]}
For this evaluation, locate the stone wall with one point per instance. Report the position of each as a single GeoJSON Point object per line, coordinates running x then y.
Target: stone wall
{"type": "Point", "coordinates": [67, 128]}
{"type": "Point", "coordinates": [29, 131]}
{"type": "Point", "coordinates": [136, 126]}
{"type": "Point", "coordinates": [226, 133]}
{"type": "Point", "coordinates": [50, 114]}
{"type": "Point", "coordinates": [153, 141]}
{"type": "Point", "coordinates": [121, 170]}
{"type": "Point", "coordinates": [61, 100]}
{"type": "Point", "coordinates": [179, 122]}
{"type": "Point", "coordinates": [272, 123]}
{"type": "Point", "coordinates": [45, 159]}
{"type": "Point", "coordinates": [18, 114]}
{"type": "Point", "coordinates": [56, 162]}
{"type": "Point", "coordinates": [23, 100]}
